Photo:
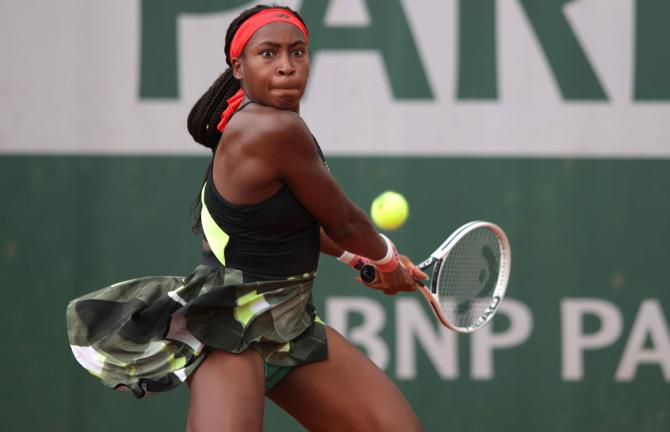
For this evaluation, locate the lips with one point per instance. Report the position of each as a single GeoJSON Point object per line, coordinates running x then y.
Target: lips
{"type": "Point", "coordinates": [286, 92]}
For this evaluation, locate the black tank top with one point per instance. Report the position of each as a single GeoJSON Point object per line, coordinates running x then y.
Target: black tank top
{"type": "Point", "coordinates": [276, 237]}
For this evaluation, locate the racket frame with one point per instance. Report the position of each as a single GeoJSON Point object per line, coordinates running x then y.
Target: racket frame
{"type": "Point", "coordinates": [438, 257]}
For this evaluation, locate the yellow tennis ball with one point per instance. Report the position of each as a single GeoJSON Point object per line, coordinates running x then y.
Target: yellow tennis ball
{"type": "Point", "coordinates": [389, 210]}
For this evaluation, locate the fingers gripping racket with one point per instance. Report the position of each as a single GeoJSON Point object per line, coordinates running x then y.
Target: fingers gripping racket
{"type": "Point", "coordinates": [470, 273]}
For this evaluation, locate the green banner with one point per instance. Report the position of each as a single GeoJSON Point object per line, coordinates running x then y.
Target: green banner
{"type": "Point", "coordinates": [582, 343]}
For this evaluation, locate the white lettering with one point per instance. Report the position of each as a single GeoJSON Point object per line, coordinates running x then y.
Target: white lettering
{"type": "Point", "coordinates": [485, 341]}
{"type": "Point", "coordinates": [367, 334]}
{"type": "Point", "coordinates": [439, 343]}
{"type": "Point", "coordinates": [649, 321]}
{"type": "Point", "coordinates": [574, 342]}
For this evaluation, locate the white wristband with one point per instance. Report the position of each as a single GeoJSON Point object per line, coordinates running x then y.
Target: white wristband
{"type": "Point", "coordinates": [390, 252]}
{"type": "Point", "coordinates": [346, 257]}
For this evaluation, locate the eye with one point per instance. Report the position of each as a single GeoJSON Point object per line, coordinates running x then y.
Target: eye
{"type": "Point", "coordinates": [298, 52]}
{"type": "Point", "coordinates": [266, 53]}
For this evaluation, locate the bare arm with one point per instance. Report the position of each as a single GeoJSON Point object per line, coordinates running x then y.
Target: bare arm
{"type": "Point", "coordinates": [297, 163]}
{"type": "Point", "coordinates": [328, 246]}
{"type": "Point", "coordinates": [287, 152]}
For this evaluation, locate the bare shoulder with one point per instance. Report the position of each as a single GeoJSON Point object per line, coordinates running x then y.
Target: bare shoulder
{"type": "Point", "coordinates": [269, 126]}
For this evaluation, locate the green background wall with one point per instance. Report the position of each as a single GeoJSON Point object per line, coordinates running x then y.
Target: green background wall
{"type": "Point", "coordinates": [566, 102]}
{"type": "Point", "coordinates": [579, 228]}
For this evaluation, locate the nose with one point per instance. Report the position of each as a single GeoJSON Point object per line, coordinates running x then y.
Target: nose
{"type": "Point", "coordinates": [285, 66]}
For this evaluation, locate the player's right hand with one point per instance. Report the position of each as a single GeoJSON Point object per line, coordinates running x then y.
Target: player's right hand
{"type": "Point", "coordinates": [403, 278]}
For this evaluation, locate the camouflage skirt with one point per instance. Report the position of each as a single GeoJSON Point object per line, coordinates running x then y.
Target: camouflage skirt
{"type": "Point", "coordinates": [149, 334]}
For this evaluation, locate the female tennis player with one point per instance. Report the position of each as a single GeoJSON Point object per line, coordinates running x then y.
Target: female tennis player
{"type": "Point", "coordinates": [242, 326]}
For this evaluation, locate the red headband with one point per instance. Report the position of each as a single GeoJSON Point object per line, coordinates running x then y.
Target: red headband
{"type": "Point", "coordinates": [242, 36]}
{"type": "Point", "coordinates": [258, 20]}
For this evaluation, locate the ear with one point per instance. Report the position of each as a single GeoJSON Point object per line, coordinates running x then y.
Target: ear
{"type": "Point", "coordinates": [238, 69]}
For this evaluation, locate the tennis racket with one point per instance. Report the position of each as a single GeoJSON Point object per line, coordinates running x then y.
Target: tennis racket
{"type": "Point", "coordinates": [470, 273]}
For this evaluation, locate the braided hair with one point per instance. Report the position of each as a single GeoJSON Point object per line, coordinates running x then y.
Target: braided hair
{"type": "Point", "coordinates": [206, 113]}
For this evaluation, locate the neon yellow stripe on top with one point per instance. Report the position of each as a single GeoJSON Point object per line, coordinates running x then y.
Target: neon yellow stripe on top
{"type": "Point", "coordinates": [216, 237]}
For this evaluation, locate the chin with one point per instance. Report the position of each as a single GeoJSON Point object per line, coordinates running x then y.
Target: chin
{"type": "Point", "coordinates": [288, 104]}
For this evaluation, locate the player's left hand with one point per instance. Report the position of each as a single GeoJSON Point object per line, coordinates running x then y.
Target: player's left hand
{"type": "Point", "coordinates": [415, 271]}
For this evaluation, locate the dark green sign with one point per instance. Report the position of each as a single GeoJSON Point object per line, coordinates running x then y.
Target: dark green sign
{"type": "Point", "coordinates": [390, 33]}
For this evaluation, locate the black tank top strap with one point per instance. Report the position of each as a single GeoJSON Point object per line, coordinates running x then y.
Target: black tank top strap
{"type": "Point", "coordinates": [241, 107]}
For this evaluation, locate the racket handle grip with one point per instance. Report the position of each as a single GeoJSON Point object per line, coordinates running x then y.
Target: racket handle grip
{"type": "Point", "coordinates": [368, 273]}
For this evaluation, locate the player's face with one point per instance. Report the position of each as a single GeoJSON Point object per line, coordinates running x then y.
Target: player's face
{"type": "Point", "coordinates": [274, 66]}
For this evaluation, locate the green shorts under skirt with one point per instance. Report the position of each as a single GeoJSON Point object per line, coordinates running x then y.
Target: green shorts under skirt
{"type": "Point", "coordinates": [274, 374]}
{"type": "Point", "coordinates": [149, 334]}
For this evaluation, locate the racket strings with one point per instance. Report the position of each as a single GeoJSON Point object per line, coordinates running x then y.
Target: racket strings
{"type": "Point", "coordinates": [469, 276]}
